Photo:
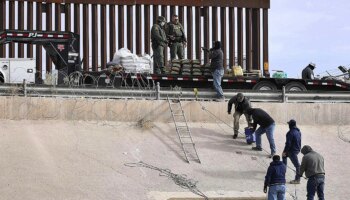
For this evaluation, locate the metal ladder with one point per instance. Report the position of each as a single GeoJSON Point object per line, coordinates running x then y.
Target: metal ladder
{"type": "Point", "coordinates": [182, 130]}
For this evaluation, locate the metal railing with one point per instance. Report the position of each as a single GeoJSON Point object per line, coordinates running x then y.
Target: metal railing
{"type": "Point", "coordinates": [158, 93]}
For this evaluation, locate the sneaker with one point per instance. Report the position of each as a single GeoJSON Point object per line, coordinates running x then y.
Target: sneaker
{"type": "Point", "coordinates": [271, 155]}
{"type": "Point", "coordinates": [257, 148]}
{"type": "Point", "coordinates": [220, 99]}
{"type": "Point", "coordinates": [294, 182]}
{"type": "Point", "coordinates": [235, 136]}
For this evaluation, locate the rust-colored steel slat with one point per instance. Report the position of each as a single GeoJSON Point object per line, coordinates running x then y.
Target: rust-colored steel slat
{"type": "Point", "coordinates": [29, 27]}
{"type": "Point", "coordinates": [189, 32]}
{"type": "Point", "coordinates": [2, 26]}
{"type": "Point", "coordinates": [232, 33]}
{"type": "Point", "coordinates": [94, 37]}
{"type": "Point", "coordinates": [77, 18]}
{"type": "Point", "coordinates": [67, 17]}
{"type": "Point", "coordinates": [103, 36]}
{"type": "Point", "coordinates": [130, 28]}
{"type": "Point", "coordinates": [256, 39]}
{"type": "Point", "coordinates": [112, 32]}
{"type": "Point", "coordinates": [39, 22]}
{"type": "Point", "coordinates": [12, 26]}
{"type": "Point", "coordinates": [172, 12]}
{"type": "Point", "coordinates": [198, 38]}
{"type": "Point", "coordinates": [121, 35]}
{"type": "Point", "coordinates": [48, 9]}
{"type": "Point", "coordinates": [199, 3]}
{"type": "Point", "coordinates": [155, 13]}
{"type": "Point", "coordinates": [164, 14]}
{"type": "Point", "coordinates": [58, 20]}
{"type": "Point", "coordinates": [265, 43]}
{"type": "Point", "coordinates": [147, 29]}
{"type": "Point", "coordinates": [20, 27]}
{"type": "Point", "coordinates": [86, 34]}
{"type": "Point", "coordinates": [248, 38]}
{"type": "Point", "coordinates": [181, 14]}
{"type": "Point", "coordinates": [138, 30]}
{"type": "Point", "coordinates": [206, 32]}
{"type": "Point", "coordinates": [240, 36]}
{"type": "Point", "coordinates": [224, 34]}
{"type": "Point", "coordinates": [214, 22]}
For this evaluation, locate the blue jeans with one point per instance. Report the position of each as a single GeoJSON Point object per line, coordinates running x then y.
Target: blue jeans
{"type": "Point", "coordinates": [293, 156]}
{"type": "Point", "coordinates": [315, 184]}
{"type": "Point", "coordinates": [217, 76]}
{"type": "Point", "coordinates": [269, 133]}
{"type": "Point", "coordinates": [277, 192]}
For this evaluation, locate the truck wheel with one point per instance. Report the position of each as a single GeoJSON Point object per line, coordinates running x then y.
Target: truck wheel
{"type": "Point", "coordinates": [265, 85]}
{"type": "Point", "coordinates": [295, 86]}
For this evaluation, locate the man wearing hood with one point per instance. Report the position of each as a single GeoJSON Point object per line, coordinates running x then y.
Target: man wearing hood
{"type": "Point", "coordinates": [217, 66]}
{"type": "Point", "coordinates": [276, 179]}
{"type": "Point", "coordinates": [308, 71]}
{"type": "Point", "coordinates": [292, 148]}
{"type": "Point", "coordinates": [242, 104]}
{"type": "Point", "coordinates": [313, 166]}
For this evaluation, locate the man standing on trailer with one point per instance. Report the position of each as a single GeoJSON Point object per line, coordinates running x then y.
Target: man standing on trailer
{"type": "Point", "coordinates": [177, 38]}
{"type": "Point", "coordinates": [159, 42]}
{"type": "Point", "coordinates": [241, 103]}
{"type": "Point", "coordinates": [216, 57]}
{"type": "Point", "coordinates": [308, 71]}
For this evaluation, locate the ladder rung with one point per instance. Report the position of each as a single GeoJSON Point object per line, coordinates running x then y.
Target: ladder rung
{"type": "Point", "coordinates": [185, 136]}
{"type": "Point", "coordinates": [178, 114]}
{"type": "Point", "coordinates": [188, 143]}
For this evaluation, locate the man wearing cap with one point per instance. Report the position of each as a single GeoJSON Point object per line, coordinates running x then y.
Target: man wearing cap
{"type": "Point", "coordinates": [177, 38]}
{"type": "Point", "coordinates": [241, 103]}
{"type": "Point", "coordinates": [267, 125]}
{"type": "Point", "coordinates": [292, 148]}
{"type": "Point", "coordinates": [159, 42]}
{"type": "Point", "coordinates": [308, 71]}
{"type": "Point", "coordinates": [313, 166]}
{"type": "Point", "coordinates": [275, 179]}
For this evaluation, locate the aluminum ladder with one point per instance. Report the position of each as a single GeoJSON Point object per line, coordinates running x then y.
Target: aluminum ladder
{"type": "Point", "coordinates": [182, 130]}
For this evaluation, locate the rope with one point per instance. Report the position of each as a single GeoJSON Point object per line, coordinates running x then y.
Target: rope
{"type": "Point", "coordinates": [180, 180]}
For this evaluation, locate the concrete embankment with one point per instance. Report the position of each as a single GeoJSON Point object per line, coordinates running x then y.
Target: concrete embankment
{"type": "Point", "coordinates": [28, 108]}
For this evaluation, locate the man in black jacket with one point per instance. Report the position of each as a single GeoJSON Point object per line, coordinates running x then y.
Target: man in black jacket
{"type": "Point", "coordinates": [292, 148]}
{"type": "Point", "coordinates": [267, 125]}
{"type": "Point", "coordinates": [241, 103]}
{"type": "Point", "coordinates": [275, 179]}
{"type": "Point", "coordinates": [217, 67]}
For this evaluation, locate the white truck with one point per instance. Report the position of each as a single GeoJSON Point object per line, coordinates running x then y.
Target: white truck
{"type": "Point", "coordinates": [15, 70]}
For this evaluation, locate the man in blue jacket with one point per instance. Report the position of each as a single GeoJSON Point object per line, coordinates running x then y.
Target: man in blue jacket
{"type": "Point", "coordinates": [275, 179]}
{"type": "Point", "coordinates": [292, 149]}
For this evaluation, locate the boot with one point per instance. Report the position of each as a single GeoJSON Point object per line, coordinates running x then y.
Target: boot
{"type": "Point", "coordinates": [294, 182]}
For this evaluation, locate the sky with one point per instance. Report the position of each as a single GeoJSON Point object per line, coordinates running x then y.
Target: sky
{"type": "Point", "coordinates": [304, 31]}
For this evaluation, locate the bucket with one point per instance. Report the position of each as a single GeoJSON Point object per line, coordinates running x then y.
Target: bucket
{"type": "Point", "coordinates": [249, 135]}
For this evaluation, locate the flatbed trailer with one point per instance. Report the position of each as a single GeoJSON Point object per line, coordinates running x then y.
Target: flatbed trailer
{"type": "Point", "coordinates": [63, 48]}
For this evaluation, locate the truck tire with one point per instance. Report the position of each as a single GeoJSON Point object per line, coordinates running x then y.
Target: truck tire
{"type": "Point", "coordinates": [295, 86]}
{"type": "Point", "coordinates": [265, 85]}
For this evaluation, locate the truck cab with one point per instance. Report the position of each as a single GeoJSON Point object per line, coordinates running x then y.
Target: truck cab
{"type": "Point", "coordinates": [15, 70]}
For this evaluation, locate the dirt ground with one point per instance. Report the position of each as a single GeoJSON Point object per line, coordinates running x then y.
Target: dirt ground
{"type": "Point", "coordinates": [92, 160]}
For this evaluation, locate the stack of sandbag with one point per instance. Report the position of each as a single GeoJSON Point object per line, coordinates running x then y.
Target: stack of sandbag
{"type": "Point", "coordinates": [196, 68]}
{"type": "Point", "coordinates": [175, 67]}
{"type": "Point", "coordinates": [132, 63]}
{"type": "Point", "coordinates": [206, 70]}
{"type": "Point", "coordinates": [186, 67]}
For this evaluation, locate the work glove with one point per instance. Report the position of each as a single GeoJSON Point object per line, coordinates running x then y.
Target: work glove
{"type": "Point", "coordinates": [265, 189]}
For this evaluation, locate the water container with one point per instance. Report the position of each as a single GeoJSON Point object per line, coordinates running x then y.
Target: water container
{"type": "Point", "coordinates": [279, 74]}
{"type": "Point", "coordinates": [249, 135]}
